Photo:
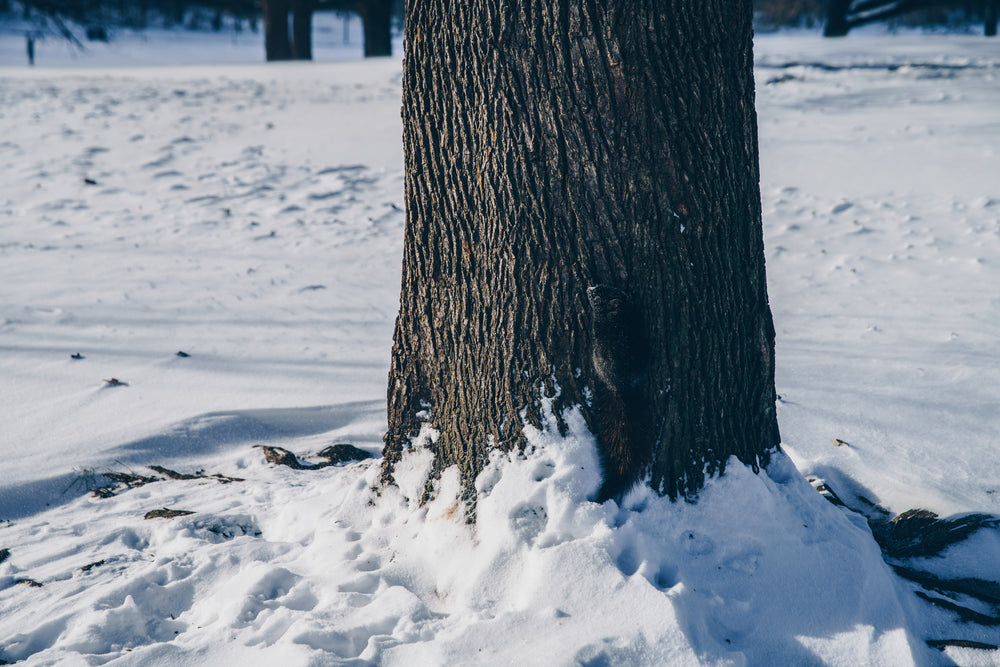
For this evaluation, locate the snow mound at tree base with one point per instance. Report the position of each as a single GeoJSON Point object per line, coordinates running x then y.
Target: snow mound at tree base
{"type": "Point", "coordinates": [324, 567]}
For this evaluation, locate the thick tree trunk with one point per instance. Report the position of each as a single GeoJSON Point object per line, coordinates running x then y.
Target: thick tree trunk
{"type": "Point", "coordinates": [836, 18]}
{"type": "Point", "coordinates": [302, 11]}
{"type": "Point", "coordinates": [552, 148]}
{"type": "Point", "coordinates": [376, 20]}
{"type": "Point", "coordinates": [991, 11]}
{"type": "Point", "coordinates": [276, 43]}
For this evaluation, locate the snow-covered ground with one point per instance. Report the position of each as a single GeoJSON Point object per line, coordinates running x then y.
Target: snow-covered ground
{"type": "Point", "coordinates": [250, 216]}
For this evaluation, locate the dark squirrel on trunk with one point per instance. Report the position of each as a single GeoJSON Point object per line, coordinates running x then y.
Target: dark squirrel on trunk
{"type": "Point", "coordinates": [621, 363]}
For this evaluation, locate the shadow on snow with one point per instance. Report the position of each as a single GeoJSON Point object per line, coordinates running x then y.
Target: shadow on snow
{"type": "Point", "coordinates": [202, 436]}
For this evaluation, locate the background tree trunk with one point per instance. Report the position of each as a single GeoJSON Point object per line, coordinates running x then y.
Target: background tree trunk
{"type": "Point", "coordinates": [376, 20]}
{"type": "Point", "coordinates": [836, 18]}
{"type": "Point", "coordinates": [552, 147]}
{"type": "Point", "coordinates": [276, 43]}
{"type": "Point", "coordinates": [302, 11]}
{"type": "Point", "coordinates": [990, 17]}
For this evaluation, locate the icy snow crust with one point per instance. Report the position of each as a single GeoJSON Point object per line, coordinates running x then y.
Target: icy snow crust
{"type": "Point", "coordinates": [251, 216]}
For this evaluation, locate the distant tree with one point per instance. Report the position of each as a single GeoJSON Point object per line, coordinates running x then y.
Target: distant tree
{"type": "Point", "coordinates": [583, 231]}
{"type": "Point", "coordinates": [277, 46]}
{"type": "Point", "coordinates": [794, 13]}
{"type": "Point", "coordinates": [844, 15]}
{"type": "Point", "coordinates": [302, 12]}
{"type": "Point", "coordinates": [376, 16]}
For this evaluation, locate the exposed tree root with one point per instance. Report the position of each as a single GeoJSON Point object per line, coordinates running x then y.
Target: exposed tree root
{"type": "Point", "coordinates": [964, 613]}
{"type": "Point", "coordinates": [920, 533]}
{"type": "Point", "coordinates": [980, 589]}
{"type": "Point", "coordinates": [334, 455]}
{"type": "Point", "coordinates": [942, 644]}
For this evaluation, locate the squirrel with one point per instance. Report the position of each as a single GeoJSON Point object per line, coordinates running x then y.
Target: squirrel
{"type": "Point", "coordinates": [621, 363]}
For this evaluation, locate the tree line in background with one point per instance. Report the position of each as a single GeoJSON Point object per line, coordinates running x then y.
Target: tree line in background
{"type": "Point", "coordinates": [282, 43]}
{"type": "Point", "coordinates": [838, 17]}
{"type": "Point", "coordinates": [287, 23]}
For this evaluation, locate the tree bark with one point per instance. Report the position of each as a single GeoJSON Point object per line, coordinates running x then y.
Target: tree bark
{"type": "Point", "coordinates": [302, 11]}
{"type": "Point", "coordinates": [376, 20]}
{"type": "Point", "coordinates": [276, 43]}
{"type": "Point", "coordinates": [583, 227]}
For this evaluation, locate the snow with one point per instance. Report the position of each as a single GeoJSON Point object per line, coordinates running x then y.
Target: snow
{"type": "Point", "coordinates": [335, 38]}
{"type": "Point", "coordinates": [251, 216]}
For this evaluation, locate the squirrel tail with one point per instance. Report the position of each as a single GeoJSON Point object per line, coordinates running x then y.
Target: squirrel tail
{"type": "Point", "coordinates": [623, 443]}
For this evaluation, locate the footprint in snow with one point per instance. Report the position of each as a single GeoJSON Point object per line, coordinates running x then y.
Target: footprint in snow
{"type": "Point", "coordinates": [697, 544]}
{"type": "Point", "coordinates": [528, 521]}
{"type": "Point", "coordinates": [665, 577]}
{"type": "Point", "coordinates": [628, 561]}
{"type": "Point", "coordinates": [368, 562]}
{"type": "Point", "coordinates": [543, 470]}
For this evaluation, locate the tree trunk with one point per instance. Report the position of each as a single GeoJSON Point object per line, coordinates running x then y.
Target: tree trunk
{"type": "Point", "coordinates": [178, 12]}
{"type": "Point", "coordinates": [276, 43]}
{"type": "Point", "coordinates": [836, 18]}
{"type": "Point", "coordinates": [302, 11]}
{"type": "Point", "coordinates": [990, 27]}
{"type": "Point", "coordinates": [376, 20]}
{"type": "Point", "coordinates": [552, 148]}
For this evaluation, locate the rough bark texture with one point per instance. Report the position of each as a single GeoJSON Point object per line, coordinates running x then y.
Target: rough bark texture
{"type": "Point", "coordinates": [276, 43]}
{"type": "Point", "coordinates": [552, 147]}
{"type": "Point", "coordinates": [376, 19]}
{"type": "Point", "coordinates": [302, 12]}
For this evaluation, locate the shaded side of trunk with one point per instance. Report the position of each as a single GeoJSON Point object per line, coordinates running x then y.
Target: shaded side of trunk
{"type": "Point", "coordinates": [990, 17]}
{"type": "Point", "coordinates": [552, 148]}
{"type": "Point", "coordinates": [276, 43]}
{"type": "Point", "coordinates": [376, 20]}
{"type": "Point", "coordinates": [302, 12]}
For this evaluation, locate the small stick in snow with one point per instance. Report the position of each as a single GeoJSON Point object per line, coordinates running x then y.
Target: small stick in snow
{"type": "Point", "coordinates": [77, 356]}
{"type": "Point", "coordinates": [90, 566]}
{"type": "Point", "coordinates": [173, 474]}
{"type": "Point", "coordinates": [165, 513]}
{"type": "Point", "coordinates": [114, 382]}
